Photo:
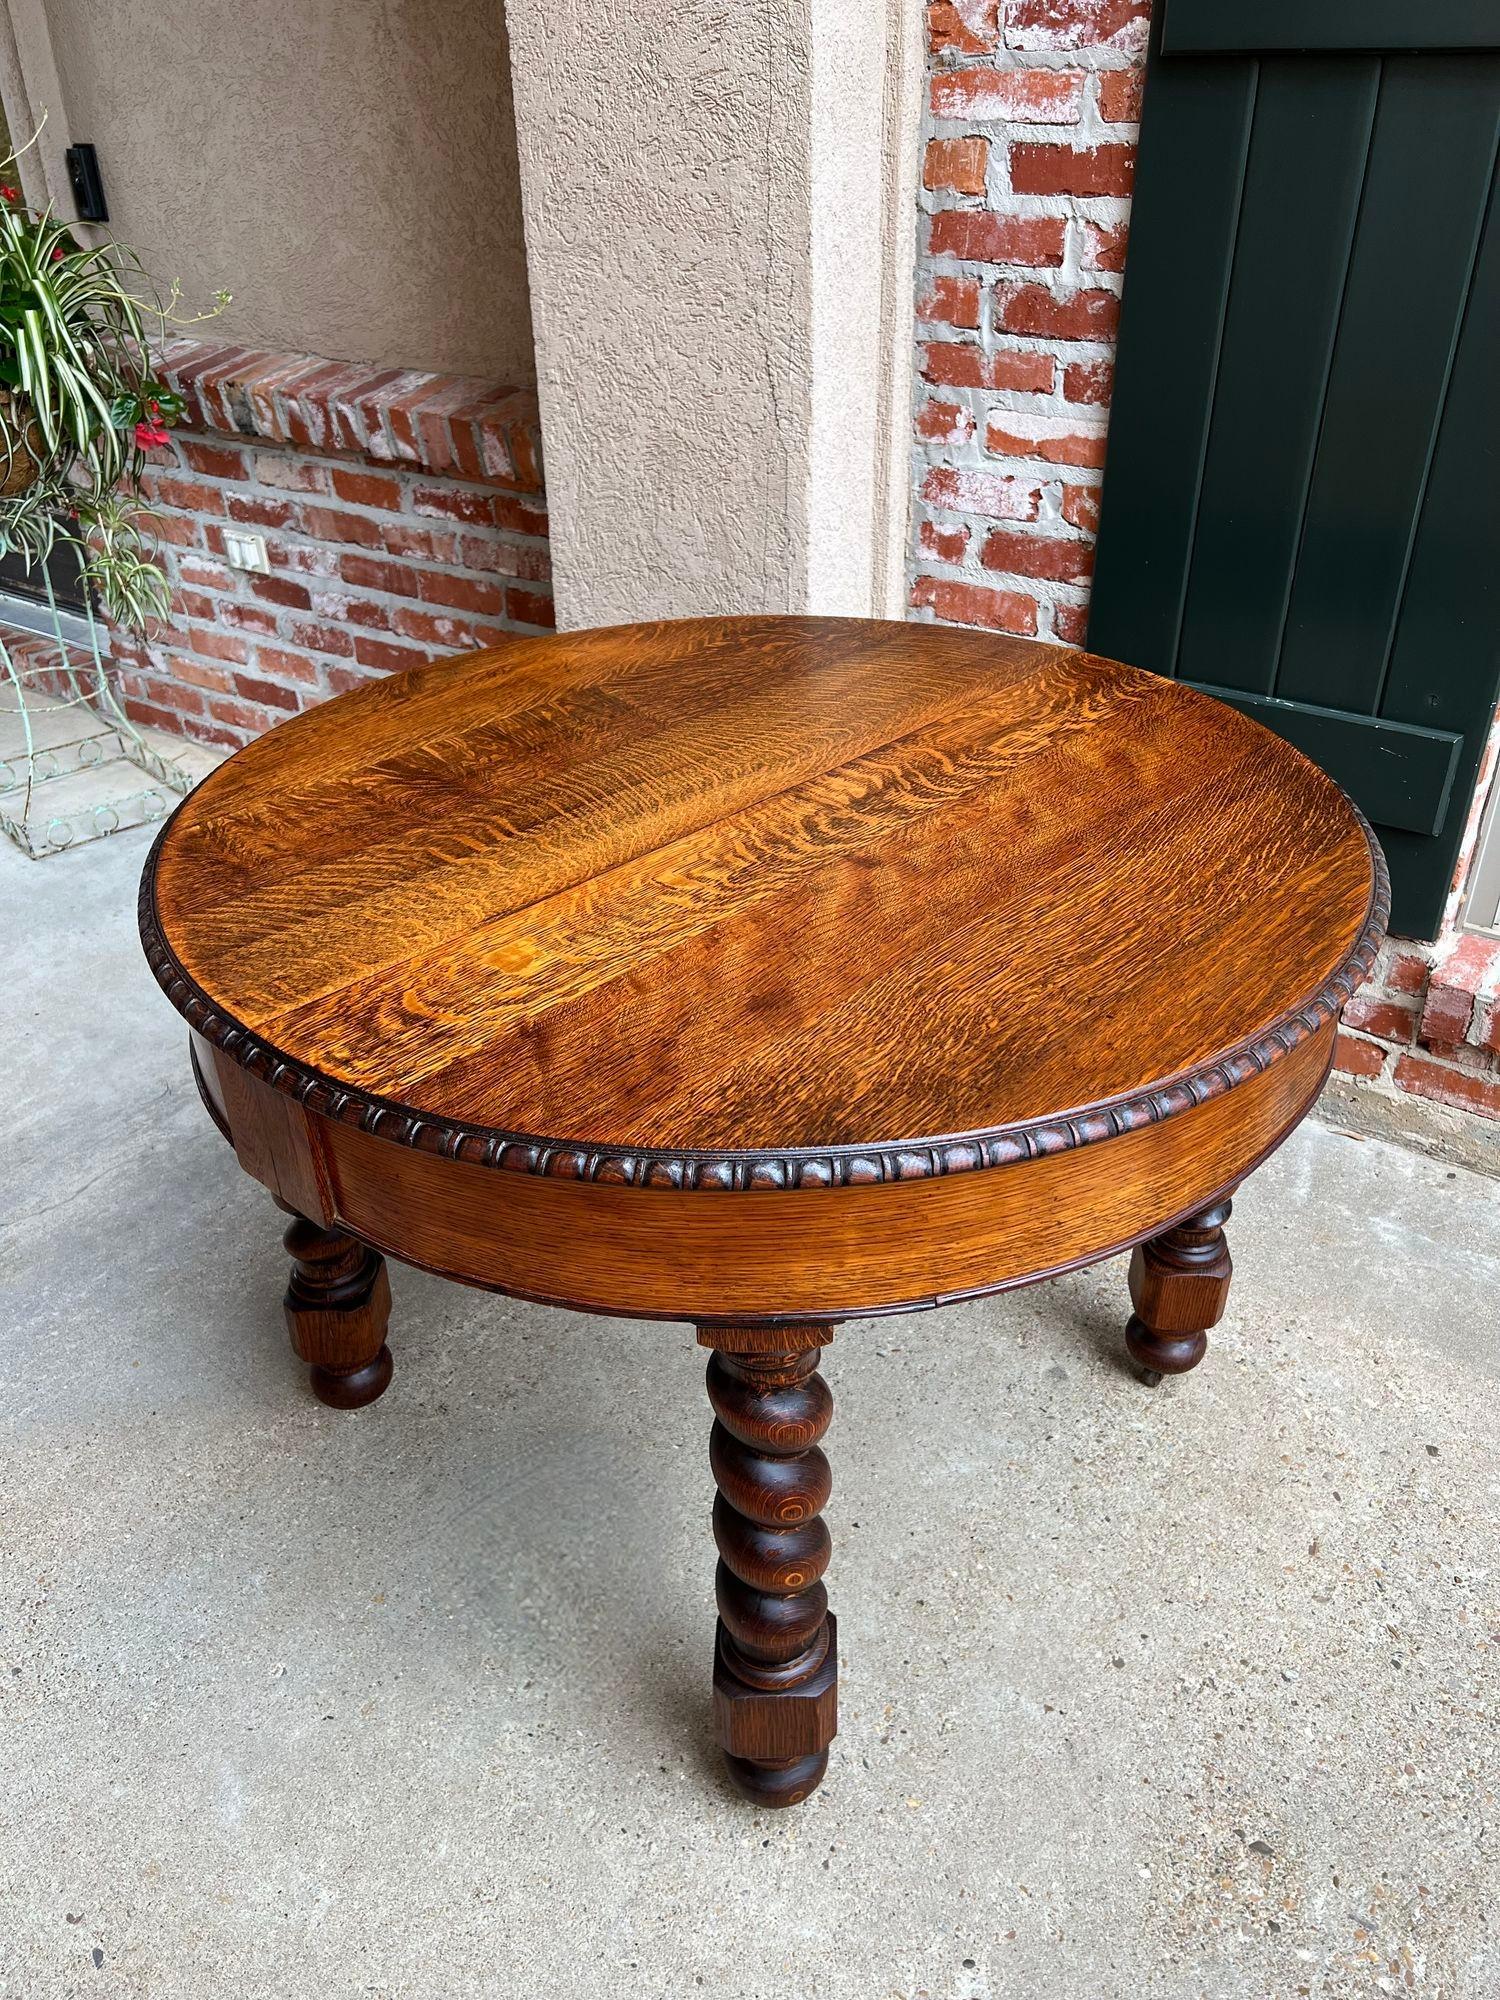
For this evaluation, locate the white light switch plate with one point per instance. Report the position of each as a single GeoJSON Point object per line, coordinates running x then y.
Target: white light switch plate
{"type": "Point", "coordinates": [245, 551]}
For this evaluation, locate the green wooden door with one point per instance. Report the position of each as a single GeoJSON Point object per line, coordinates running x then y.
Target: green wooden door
{"type": "Point", "coordinates": [1300, 507]}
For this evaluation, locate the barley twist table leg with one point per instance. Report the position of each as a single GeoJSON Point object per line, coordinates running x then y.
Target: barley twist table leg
{"type": "Point", "coordinates": [776, 1661]}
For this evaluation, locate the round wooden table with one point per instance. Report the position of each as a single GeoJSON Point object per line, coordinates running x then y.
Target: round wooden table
{"type": "Point", "coordinates": [762, 973]}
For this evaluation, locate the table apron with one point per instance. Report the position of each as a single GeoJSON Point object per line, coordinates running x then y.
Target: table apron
{"type": "Point", "coordinates": [837, 1252]}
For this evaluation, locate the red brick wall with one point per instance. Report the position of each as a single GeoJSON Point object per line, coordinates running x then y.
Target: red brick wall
{"type": "Point", "coordinates": [403, 516]}
{"type": "Point", "coordinates": [1427, 1024]}
{"type": "Point", "coordinates": [1026, 178]}
{"type": "Point", "coordinates": [1029, 153]}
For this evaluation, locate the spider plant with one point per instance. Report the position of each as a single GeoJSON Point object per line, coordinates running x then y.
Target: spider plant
{"type": "Point", "coordinates": [80, 406]}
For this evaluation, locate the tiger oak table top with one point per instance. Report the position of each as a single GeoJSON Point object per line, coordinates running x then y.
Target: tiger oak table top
{"type": "Point", "coordinates": [765, 973]}
{"type": "Point", "coordinates": [759, 902]}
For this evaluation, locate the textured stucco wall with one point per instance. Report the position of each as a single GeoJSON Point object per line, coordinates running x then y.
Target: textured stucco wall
{"type": "Point", "coordinates": [664, 162]}
{"type": "Point", "coordinates": [348, 171]}
{"type": "Point", "coordinates": [706, 215]}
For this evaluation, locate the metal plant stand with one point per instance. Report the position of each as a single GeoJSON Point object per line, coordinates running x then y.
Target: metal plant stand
{"type": "Point", "coordinates": [73, 766]}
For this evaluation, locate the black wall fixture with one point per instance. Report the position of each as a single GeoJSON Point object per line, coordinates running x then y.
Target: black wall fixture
{"type": "Point", "coordinates": [88, 184]}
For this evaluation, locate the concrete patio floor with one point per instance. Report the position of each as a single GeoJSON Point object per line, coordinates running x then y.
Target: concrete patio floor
{"type": "Point", "coordinates": [1180, 1693]}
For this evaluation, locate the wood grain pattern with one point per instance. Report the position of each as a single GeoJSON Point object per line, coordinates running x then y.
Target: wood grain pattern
{"type": "Point", "coordinates": [762, 903]}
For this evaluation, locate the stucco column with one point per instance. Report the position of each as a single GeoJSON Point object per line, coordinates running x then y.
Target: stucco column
{"type": "Point", "coordinates": [718, 205]}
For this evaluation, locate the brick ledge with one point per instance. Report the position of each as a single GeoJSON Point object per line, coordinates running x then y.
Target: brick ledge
{"type": "Point", "coordinates": [460, 425]}
{"type": "Point", "coordinates": [1463, 995]}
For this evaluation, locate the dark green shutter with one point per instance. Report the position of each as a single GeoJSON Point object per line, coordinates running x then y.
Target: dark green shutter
{"type": "Point", "coordinates": [1300, 507]}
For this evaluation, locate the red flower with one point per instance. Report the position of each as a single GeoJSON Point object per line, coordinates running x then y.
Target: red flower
{"type": "Point", "coordinates": [10, 194]}
{"type": "Point", "coordinates": [57, 252]}
{"type": "Point", "coordinates": [147, 435]}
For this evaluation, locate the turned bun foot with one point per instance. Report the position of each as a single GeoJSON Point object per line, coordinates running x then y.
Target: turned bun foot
{"type": "Point", "coordinates": [352, 1388]}
{"type": "Point", "coordinates": [779, 1784]}
{"type": "Point", "coordinates": [1158, 1354]}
